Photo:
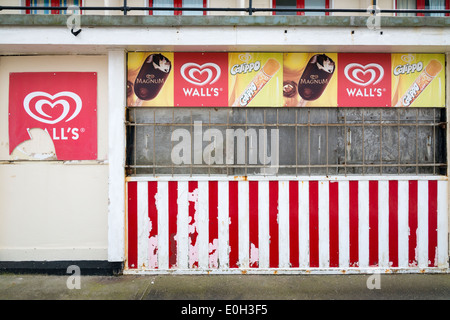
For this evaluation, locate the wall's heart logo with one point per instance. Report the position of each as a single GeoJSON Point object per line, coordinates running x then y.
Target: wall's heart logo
{"type": "Point", "coordinates": [70, 103]}
{"type": "Point", "coordinates": [371, 73]}
{"type": "Point", "coordinates": [200, 75]}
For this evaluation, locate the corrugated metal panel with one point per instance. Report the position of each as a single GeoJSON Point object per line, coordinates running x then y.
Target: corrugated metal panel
{"type": "Point", "coordinates": [262, 225]}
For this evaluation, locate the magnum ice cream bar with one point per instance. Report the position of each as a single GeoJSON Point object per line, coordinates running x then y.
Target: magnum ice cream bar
{"type": "Point", "coordinates": [152, 76]}
{"type": "Point", "coordinates": [315, 77]}
{"type": "Point", "coordinates": [420, 83]}
{"type": "Point", "coordinates": [258, 82]}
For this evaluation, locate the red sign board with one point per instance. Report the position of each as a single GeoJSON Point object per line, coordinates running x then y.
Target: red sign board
{"type": "Point", "coordinates": [364, 80]}
{"type": "Point", "coordinates": [201, 79]}
{"type": "Point", "coordinates": [64, 104]}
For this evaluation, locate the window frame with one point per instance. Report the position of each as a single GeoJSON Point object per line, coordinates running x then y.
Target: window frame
{"type": "Point", "coordinates": [301, 5]}
{"type": "Point", "coordinates": [177, 4]}
{"type": "Point", "coordinates": [420, 5]}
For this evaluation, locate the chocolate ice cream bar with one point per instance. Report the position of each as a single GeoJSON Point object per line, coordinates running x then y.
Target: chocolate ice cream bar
{"type": "Point", "coordinates": [152, 76]}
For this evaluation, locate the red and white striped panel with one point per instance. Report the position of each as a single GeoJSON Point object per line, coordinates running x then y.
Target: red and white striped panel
{"type": "Point", "coordinates": [329, 224]}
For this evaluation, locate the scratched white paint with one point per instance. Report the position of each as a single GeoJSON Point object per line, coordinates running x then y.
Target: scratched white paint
{"type": "Point", "coordinates": [254, 254]}
{"type": "Point", "coordinates": [202, 224]}
{"type": "Point", "coordinates": [263, 224]}
{"type": "Point", "coordinates": [324, 233]}
{"type": "Point", "coordinates": [303, 221]}
{"type": "Point", "coordinates": [162, 205]}
{"type": "Point", "coordinates": [223, 224]}
{"type": "Point", "coordinates": [403, 223]}
{"type": "Point", "coordinates": [193, 229]}
{"type": "Point", "coordinates": [283, 223]}
{"type": "Point", "coordinates": [442, 240]}
{"type": "Point", "coordinates": [243, 224]}
{"type": "Point", "coordinates": [422, 224]}
{"type": "Point", "coordinates": [183, 225]}
{"type": "Point", "coordinates": [144, 221]}
{"type": "Point", "coordinates": [344, 224]}
{"type": "Point", "coordinates": [383, 224]}
{"type": "Point", "coordinates": [363, 224]}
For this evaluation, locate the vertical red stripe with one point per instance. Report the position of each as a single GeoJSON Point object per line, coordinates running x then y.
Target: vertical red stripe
{"type": "Point", "coordinates": [233, 227]}
{"type": "Point", "coordinates": [150, 4]}
{"type": "Point", "coordinates": [313, 224]}
{"type": "Point", "coordinates": [193, 189]}
{"type": "Point", "coordinates": [132, 225]}
{"type": "Point", "coordinates": [412, 222]}
{"type": "Point", "coordinates": [300, 5]}
{"type": "Point", "coordinates": [353, 223]}
{"type": "Point", "coordinates": [253, 221]}
{"type": "Point", "coordinates": [213, 224]}
{"type": "Point", "coordinates": [420, 5]}
{"type": "Point", "coordinates": [54, 3]}
{"type": "Point", "coordinates": [393, 222]}
{"type": "Point", "coordinates": [173, 217]}
{"type": "Point", "coordinates": [432, 222]}
{"type": "Point", "coordinates": [153, 214]}
{"type": "Point", "coordinates": [327, 6]}
{"type": "Point", "coordinates": [334, 224]}
{"type": "Point", "coordinates": [273, 224]}
{"type": "Point", "coordinates": [293, 224]}
{"type": "Point", "coordinates": [373, 223]}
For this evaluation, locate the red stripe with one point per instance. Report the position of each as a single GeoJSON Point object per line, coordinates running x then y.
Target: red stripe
{"type": "Point", "coordinates": [373, 223]}
{"type": "Point", "coordinates": [132, 225]}
{"type": "Point", "coordinates": [173, 217]}
{"type": "Point", "coordinates": [334, 224]}
{"type": "Point", "coordinates": [393, 222]}
{"type": "Point", "coordinates": [233, 227]}
{"type": "Point", "coordinates": [153, 214]}
{"type": "Point", "coordinates": [193, 189]}
{"type": "Point", "coordinates": [293, 224]}
{"type": "Point", "coordinates": [273, 224]}
{"type": "Point", "coordinates": [412, 221]}
{"type": "Point", "coordinates": [253, 219]}
{"type": "Point", "coordinates": [313, 224]}
{"type": "Point", "coordinates": [432, 222]}
{"type": "Point", "coordinates": [213, 223]}
{"type": "Point", "coordinates": [353, 223]}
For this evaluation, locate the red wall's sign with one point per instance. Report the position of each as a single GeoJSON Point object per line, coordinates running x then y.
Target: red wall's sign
{"type": "Point", "coordinates": [365, 80]}
{"type": "Point", "coordinates": [201, 79]}
{"type": "Point", "coordinates": [64, 104]}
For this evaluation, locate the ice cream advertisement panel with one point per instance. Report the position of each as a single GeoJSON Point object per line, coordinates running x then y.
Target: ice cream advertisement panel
{"type": "Point", "coordinates": [258, 79]}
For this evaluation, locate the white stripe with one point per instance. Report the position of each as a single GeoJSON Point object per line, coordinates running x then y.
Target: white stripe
{"type": "Point", "coordinates": [163, 224]}
{"type": "Point", "coordinates": [422, 224]}
{"type": "Point", "coordinates": [283, 223]}
{"type": "Point", "coordinates": [243, 224]}
{"type": "Point", "coordinates": [344, 228]}
{"type": "Point", "coordinates": [143, 224]}
{"type": "Point", "coordinates": [303, 207]}
{"type": "Point", "coordinates": [383, 224]}
{"type": "Point", "coordinates": [263, 223]}
{"type": "Point", "coordinates": [202, 224]}
{"type": "Point", "coordinates": [363, 223]}
{"type": "Point", "coordinates": [442, 240]}
{"type": "Point", "coordinates": [223, 224]}
{"type": "Point", "coordinates": [182, 226]}
{"type": "Point", "coordinates": [403, 225]}
{"type": "Point", "coordinates": [324, 224]}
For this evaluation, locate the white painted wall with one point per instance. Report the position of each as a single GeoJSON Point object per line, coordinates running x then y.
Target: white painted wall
{"type": "Point", "coordinates": [54, 210]}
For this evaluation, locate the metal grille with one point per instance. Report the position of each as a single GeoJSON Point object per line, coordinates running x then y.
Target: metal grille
{"type": "Point", "coordinates": [309, 141]}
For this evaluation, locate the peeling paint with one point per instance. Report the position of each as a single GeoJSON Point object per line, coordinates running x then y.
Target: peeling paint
{"type": "Point", "coordinates": [214, 254]}
{"type": "Point", "coordinates": [193, 229]}
{"type": "Point", "coordinates": [254, 254]}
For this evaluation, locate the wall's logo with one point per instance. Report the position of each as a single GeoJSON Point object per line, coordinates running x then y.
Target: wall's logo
{"type": "Point", "coordinates": [201, 75]}
{"type": "Point", "coordinates": [64, 105]}
{"type": "Point", "coordinates": [200, 79]}
{"type": "Point", "coordinates": [368, 74]}
{"type": "Point", "coordinates": [364, 80]}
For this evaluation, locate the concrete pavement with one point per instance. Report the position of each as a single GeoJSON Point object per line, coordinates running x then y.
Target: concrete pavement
{"type": "Point", "coordinates": [225, 287]}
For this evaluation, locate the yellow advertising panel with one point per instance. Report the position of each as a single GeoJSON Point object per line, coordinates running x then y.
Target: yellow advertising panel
{"type": "Point", "coordinates": [150, 80]}
{"type": "Point", "coordinates": [255, 79]}
{"type": "Point", "coordinates": [418, 80]}
{"type": "Point", "coordinates": [310, 80]}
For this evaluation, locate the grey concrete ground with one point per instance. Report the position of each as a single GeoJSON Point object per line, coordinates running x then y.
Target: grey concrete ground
{"type": "Point", "coordinates": [225, 287]}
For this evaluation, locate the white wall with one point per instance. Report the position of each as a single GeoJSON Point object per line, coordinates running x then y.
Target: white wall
{"type": "Point", "coordinates": [54, 210]}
